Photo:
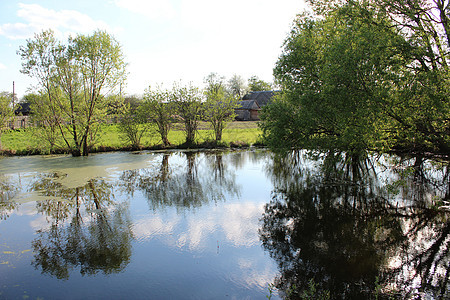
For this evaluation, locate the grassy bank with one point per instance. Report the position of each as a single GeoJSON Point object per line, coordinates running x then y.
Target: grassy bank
{"type": "Point", "coordinates": [28, 141]}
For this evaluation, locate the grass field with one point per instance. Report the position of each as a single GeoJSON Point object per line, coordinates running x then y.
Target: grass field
{"type": "Point", "coordinates": [28, 141]}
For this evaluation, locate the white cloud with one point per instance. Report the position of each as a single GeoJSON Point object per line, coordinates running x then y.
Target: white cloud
{"type": "Point", "coordinates": [238, 221]}
{"type": "Point", "coordinates": [37, 18]}
{"type": "Point", "coordinates": [2, 66]}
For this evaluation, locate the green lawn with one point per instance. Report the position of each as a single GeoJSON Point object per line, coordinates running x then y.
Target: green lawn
{"type": "Point", "coordinates": [28, 141]}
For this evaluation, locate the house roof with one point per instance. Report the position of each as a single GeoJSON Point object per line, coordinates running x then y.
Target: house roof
{"type": "Point", "coordinates": [263, 97]}
{"type": "Point", "coordinates": [24, 109]}
{"type": "Point", "coordinates": [248, 104]}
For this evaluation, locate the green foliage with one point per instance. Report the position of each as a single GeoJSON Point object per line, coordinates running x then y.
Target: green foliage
{"type": "Point", "coordinates": [73, 79]}
{"type": "Point", "coordinates": [219, 107]}
{"type": "Point", "coordinates": [46, 122]}
{"type": "Point", "coordinates": [314, 293]}
{"type": "Point", "coordinates": [236, 86]}
{"type": "Point", "coordinates": [134, 124]}
{"type": "Point", "coordinates": [159, 111]}
{"type": "Point", "coordinates": [255, 84]}
{"type": "Point", "coordinates": [6, 112]}
{"type": "Point", "coordinates": [353, 80]}
{"type": "Point", "coordinates": [188, 106]}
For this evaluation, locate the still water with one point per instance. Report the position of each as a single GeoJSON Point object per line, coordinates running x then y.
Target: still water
{"type": "Point", "coordinates": [223, 225]}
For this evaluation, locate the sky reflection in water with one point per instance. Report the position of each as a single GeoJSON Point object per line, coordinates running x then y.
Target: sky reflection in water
{"type": "Point", "coordinates": [185, 223]}
{"type": "Point", "coordinates": [215, 225]}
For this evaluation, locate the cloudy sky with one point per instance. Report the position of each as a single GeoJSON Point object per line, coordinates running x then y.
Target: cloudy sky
{"type": "Point", "coordinates": [163, 40]}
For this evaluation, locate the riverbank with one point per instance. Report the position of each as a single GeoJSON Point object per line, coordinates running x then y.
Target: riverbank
{"type": "Point", "coordinates": [236, 135]}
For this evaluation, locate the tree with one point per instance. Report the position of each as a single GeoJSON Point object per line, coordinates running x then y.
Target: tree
{"type": "Point", "coordinates": [214, 82]}
{"type": "Point", "coordinates": [367, 75]}
{"type": "Point", "coordinates": [420, 108]}
{"type": "Point", "coordinates": [160, 111]}
{"type": "Point", "coordinates": [219, 107]}
{"type": "Point", "coordinates": [6, 112]}
{"type": "Point", "coordinates": [46, 121]}
{"type": "Point", "coordinates": [255, 84]}
{"type": "Point", "coordinates": [352, 81]}
{"type": "Point", "coordinates": [188, 106]}
{"type": "Point", "coordinates": [236, 86]}
{"type": "Point", "coordinates": [75, 78]}
{"type": "Point", "coordinates": [324, 104]}
{"type": "Point", "coordinates": [134, 123]}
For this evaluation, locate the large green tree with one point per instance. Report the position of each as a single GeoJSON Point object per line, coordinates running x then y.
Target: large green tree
{"type": "Point", "coordinates": [420, 107]}
{"type": "Point", "coordinates": [353, 79]}
{"type": "Point", "coordinates": [75, 78]}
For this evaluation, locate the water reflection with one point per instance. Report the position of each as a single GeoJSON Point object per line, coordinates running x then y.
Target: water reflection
{"type": "Point", "coordinates": [335, 225]}
{"type": "Point", "coordinates": [181, 185]}
{"type": "Point", "coordinates": [8, 191]}
{"type": "Point", "coordinates": [88, 229]}
{"type": "Point", "coordinates": [85, 228]}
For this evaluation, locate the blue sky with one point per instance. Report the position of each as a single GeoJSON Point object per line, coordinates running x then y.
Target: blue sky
{"type": "Point", "coordinates": [163, 41]}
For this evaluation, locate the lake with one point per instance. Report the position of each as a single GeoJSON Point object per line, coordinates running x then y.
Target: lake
{"type": "Point", "coordinates": [223, 225]}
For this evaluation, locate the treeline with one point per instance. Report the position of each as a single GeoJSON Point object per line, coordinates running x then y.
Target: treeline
{"type": "Point", "coordinates": [79, 86]}
{"type": "Point", "coordinates": [364, 75]}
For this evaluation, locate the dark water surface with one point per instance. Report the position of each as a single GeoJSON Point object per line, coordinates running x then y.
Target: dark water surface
{"type": "Point", "coordinates": [222, 225]}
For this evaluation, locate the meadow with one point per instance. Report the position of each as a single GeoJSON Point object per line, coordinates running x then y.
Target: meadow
{"type": "Point", "coordinates": [29, 141]}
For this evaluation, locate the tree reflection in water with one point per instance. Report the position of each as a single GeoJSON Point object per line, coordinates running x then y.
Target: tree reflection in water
{"type": "Point", "coordinates": [182, 186]}
{"type": "Point", "coordinates": [8, 191]}
{"type": "Point", "coordinates": [88, 229]}
{"type": "Point", "coordinates": [337, 223]}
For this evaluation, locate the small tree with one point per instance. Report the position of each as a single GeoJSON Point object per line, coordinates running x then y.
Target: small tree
{"type": "Point", "coordinates": [159, 111]}
{"type": "Point", "coordinates": [6, 112]}
{"type": "Point", "coordinates": [219, 106]}
{"type": "Point", "coordinates": [133, 124]}
{"type": "Point", "coordinates": [255, 84]}
{"type": "Point", "coordinates": [188, 105]}
{"type": "Point", "coordinates": [236, 86]}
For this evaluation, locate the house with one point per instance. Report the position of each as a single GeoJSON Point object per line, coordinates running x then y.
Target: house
{"type": "Point", "coordinates": [248, 110]}
{"type": "Point", "coordinates": [262, 97]}
{"type": "Point", "coordinates": [22, 116]}
{"type": "Point", "coordinates": [251, 105]}
{"type": "Point", "coordinates": [24, 109]}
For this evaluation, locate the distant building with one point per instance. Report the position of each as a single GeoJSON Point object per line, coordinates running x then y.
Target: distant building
{"type": "Point", "coordinates": [248, 110]}
{"type": "Point", "coordinates": [251, 105]}
{"type": "Point", "coordinates": [22, 116]}
{"type": "Point", "coordinates": [24, 109]}
{"type": "Point", "coordinates": [263, 98]}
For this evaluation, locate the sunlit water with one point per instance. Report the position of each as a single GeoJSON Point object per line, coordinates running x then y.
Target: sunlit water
{"type": "Point", "coordinates": [221, 225]}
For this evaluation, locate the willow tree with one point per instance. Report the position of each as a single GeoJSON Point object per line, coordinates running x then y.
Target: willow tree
{"type": "Point", "coordinates": [75, 77]}
{"type": "Point", "coordinates": [362, 75]}
{"type": "Point", "coordinates": [332, 71]}
{"type": "Point", "coordinates": [420, 108]}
